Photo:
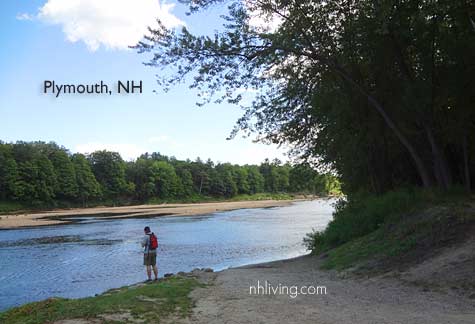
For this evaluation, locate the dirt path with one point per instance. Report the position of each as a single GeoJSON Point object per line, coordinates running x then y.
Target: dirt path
{"type": "Point", "coordinates": [352, 301]}
{"type": "Point", "coordinates": [61, 216]}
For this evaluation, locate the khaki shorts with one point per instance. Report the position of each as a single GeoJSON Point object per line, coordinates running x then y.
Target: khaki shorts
{"type": "Point", "coordinates": [150, 259]}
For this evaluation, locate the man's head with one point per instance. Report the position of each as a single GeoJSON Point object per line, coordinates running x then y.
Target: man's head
{"type": "Point", "coordinates": [146, 229]}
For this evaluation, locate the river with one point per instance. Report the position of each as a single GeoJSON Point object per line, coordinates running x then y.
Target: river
{"type": "Point", "coordinates": [92, 256]}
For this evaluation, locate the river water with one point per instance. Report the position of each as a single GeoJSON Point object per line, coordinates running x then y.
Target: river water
{"type": "Point", "coordinates": [92, 256]}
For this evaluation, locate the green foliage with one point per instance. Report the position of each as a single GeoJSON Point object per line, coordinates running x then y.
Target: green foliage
{"type": "Point", "coordinates": [255, 180]}
{"type": "Point", "coordinates": [149, 304]}
{"type": "Point", "coordinates": [109, 170]}
{"type": "Point", "coordinates": [380, 92]}
{"type": "Point", "coordinates": [8, 173]}
{"type": "Point", "coordinates": [362, 214]}
{"type": "Point", "coordinates": [36, 181]}
{"type": "Point", "coordinates": [168, 184]}
{"type": "Point", "coordinates": [43, 175]}
{"type": "Point", "coordinates": [263, 196]}
{"type": "Point", "coordinates": [10, 206]}
{"type": "Point", "coordinates": [88, 187]}
{"type": "Point", "coordinates": [67, 187]}
{"type": "Point", "coordinates": [406, 240]}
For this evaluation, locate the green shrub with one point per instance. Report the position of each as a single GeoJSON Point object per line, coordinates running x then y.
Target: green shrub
{"type": "Point", "coordinates": [361, 214]}
{"type": "Point", "coordinates": [8, 206]}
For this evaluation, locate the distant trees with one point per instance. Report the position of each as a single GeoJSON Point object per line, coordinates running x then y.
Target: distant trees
{"type": "Point", "coordinates": [87, 186]}
{"type": "Point", "coordinates": [8, 173]}
{"type": "Point", "coordinates": [66, 182]}
{"type": "Point", "coordinates": [45, 174]}
{"type": "Point", "coordinates": [109, 170]}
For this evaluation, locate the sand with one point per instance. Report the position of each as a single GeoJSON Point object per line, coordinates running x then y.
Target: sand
{"type": "Point", "coordinates": [56, 217]}
{"type": "Point", "coordinates": [381, 300]}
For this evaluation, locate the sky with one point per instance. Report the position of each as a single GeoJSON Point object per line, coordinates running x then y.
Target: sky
{"type": "Point", "coordinates": [86, 41]}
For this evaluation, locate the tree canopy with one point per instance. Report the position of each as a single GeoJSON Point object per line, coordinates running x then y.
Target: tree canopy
{"type": "Point", "coordinates": [44, 175]}
{"type": "Point", "coordinates": [380, 91]}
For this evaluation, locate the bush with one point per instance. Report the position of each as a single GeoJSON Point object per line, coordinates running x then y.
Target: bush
{"type": "Point", "coordinates": [8, 206]}
{"type": "Point", "coordinates": [361, 214]}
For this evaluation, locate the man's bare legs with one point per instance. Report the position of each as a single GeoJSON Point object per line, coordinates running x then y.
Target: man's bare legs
{"type": "Point", "coordinates": [149, 272]}
{"type": "Point", "coordinates": [155, 272]}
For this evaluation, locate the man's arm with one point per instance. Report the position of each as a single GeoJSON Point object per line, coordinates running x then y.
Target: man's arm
{"type": "Point", "coordinates": [144, 241]}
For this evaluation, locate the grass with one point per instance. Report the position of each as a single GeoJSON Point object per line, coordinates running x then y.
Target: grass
{"type": "Point", "coordinates": [149, 303]}
{"type": "Point", "coordinates": [9, 206]}
{"type": "Point", "coordinates": [379, 232]}
{"type": "Point", "coordinates": [201, 199]}
{"type": "Point", "coordinates": [263, 196]}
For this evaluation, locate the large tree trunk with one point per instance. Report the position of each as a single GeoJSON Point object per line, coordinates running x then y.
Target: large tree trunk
{"type": "Point", "coordinates": [441, 168]}
{"type": "Point", "coordinates": [466, 166]}
{"type": "Point", "coordinates": [421, 167]}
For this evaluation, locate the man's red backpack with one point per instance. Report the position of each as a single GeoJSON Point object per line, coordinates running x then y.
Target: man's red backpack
{"type": "Point", "coordinates": [153, 242]}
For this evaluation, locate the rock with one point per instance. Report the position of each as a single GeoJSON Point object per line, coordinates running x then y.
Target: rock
{"type": "Point", "coordinates": [472, 296]}
{"type": "Point", "coordinates": [167, 275]}
{"type": "Point", "coordinates": [208, 270]}
{"type": "Point", "coordinates": [181, 273]}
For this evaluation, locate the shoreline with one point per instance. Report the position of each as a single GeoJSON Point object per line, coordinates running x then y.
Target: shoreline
{"type": "Point", "coordinates": [61, 216]}
{"type": "Point", "coordinates": [348, 298]}
{"type": "Point", "coordinates": [224, 296]}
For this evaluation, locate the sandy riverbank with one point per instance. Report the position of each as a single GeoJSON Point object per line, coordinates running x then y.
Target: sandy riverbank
{"type": "Point", "coordinates": [379, 300]}
{"type": "Point", "coordinates": [61, 216]}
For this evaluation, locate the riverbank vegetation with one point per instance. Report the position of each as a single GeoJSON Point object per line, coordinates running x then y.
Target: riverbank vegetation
{"type": "Point", "coordinates": [44, 175]}
{"type": "Point", "coordinates": [393, 230]}
{"type": "Point", "coordinates": [148, 303]}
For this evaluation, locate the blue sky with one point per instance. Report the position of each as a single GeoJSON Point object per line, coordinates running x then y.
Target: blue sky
{"type": "Point", "coordinates": [85, 44]}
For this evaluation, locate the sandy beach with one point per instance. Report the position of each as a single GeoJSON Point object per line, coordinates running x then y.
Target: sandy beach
{"type": "Point", "coordinates": [61, 216]}
{"type": "Point", "coordinates": [389, 299]}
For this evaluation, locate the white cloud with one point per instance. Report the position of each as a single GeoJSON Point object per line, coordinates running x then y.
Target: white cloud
{"type": "Point", "coordinates": [126, 150]}
{"type": "Point", "coordinates": [115, 24]}
{"type": "Point", "coordinates": [24, 16]}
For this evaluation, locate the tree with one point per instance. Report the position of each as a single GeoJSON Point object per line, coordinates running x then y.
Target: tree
{"type": "Point", "coordinates": [255, 179]}
{"type": "Point", "coordinates": [66, 178]}
{"type": "Point", "coordinates": [168, 184]}
{"type": "Point", "coordinates": [225, 184]}
{"type": "Point", "coordinates": [109, 171]}
{"type": "Point", "coordinates": [8, 173]}
{"type": "Point", "coordinates": [375, 90]}
{"type": "Point", "coordinates": [39, 174]}
{"type": "Point", "coordinates": [186, 180]}
{"type": "Point", "coordinates": [87, 185]}
{"type": "Point", "coordinates": [241, 176]}
{"type": "Point", "coordinates": [37, 181]}
{"type": "Point", "coordinates": [141, 174]}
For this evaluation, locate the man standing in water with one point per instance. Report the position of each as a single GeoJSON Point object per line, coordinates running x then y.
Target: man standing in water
{"type": "Point", "coordinates": [150, 243]}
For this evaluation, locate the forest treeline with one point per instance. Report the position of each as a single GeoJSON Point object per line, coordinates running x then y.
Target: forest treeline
{"type": "Point", "coordinates": [46, 174]}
